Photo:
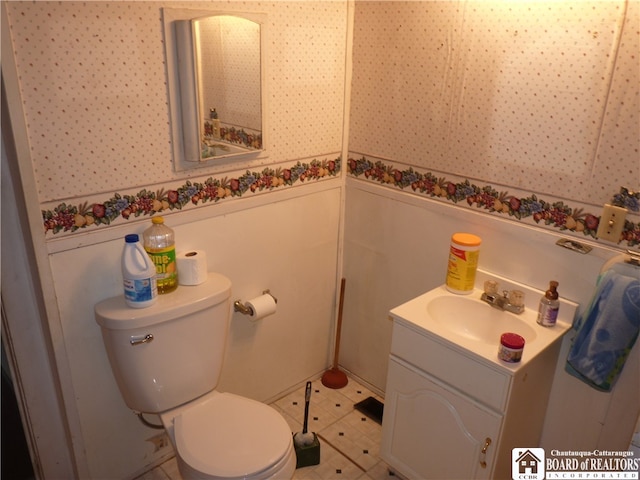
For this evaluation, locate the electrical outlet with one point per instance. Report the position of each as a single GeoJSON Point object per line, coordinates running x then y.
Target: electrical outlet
{"type": "Point", "coordinates": [611, 223]}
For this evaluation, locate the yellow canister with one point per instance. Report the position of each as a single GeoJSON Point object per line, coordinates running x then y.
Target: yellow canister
{"type": "Point", "coordinates": [463, 262]}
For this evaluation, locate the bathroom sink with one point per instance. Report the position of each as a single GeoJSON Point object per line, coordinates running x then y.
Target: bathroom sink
{"type": "Point", "coordinates": [473, 327]}
{"type": "Point", "coordinates": [476, 320]}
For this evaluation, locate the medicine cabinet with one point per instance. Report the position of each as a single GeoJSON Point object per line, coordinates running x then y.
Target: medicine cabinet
{"type": "Point", "coordinates": [215, 85]}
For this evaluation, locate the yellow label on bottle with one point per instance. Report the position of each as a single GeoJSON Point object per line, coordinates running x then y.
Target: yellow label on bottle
{"type": "Point", "coordinates": [461, 271]}
{"type": "Point", "coordinates": [164, 260]}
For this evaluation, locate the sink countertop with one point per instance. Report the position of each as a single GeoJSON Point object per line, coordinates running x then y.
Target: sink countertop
{"type": "Point", "coordinates": [415, 315]}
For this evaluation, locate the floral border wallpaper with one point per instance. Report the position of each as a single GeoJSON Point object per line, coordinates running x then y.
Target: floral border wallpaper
{"type": "Point", "coordinates": [553, 214]}
{"type": "Point", "coordinates": [210, 144]}
{"type": "Point", "coordinates": [71, 218]}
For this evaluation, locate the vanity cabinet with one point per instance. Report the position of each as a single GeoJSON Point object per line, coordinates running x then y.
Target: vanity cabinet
{"type": "Point", "coordinates": [434, 432]}
{"type": "Point", "coordinates": [451, 414]}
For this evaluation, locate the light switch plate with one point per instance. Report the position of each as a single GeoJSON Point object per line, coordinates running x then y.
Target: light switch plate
{"type": "Point", "coordinates": [611, 223]}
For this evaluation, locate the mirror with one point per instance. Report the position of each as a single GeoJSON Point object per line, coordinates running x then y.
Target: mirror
{"type": "Point", "coordinates": [214, 65]}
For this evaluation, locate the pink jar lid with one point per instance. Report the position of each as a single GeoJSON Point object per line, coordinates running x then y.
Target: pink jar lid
{"type": "Point", "coordinates": [512, 340]}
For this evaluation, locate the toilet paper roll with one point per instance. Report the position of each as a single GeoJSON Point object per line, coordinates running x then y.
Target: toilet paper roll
{"type": "Point", "coordinates": [262, 306]}
{"type": "Point", "coordinates": [192, 267]}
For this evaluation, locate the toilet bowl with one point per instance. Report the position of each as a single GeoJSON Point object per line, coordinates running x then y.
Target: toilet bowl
{"type": "Point", "coordinates": [167, 360]}
{"type": "Point", "coordinates": [227, 436]}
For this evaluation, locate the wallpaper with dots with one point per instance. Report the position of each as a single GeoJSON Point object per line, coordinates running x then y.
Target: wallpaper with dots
{"type": "Point", "coordinates": [537, 95]}
{"type": "Point", "coordinates": [230, 71]}
{"type": "Point", "coordinates": [93, 85]}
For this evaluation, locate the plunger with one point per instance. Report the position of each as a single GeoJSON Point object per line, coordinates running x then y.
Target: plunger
{"type": "Point", "coordinates": [336, 378]}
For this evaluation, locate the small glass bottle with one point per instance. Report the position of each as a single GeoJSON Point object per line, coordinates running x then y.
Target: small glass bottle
{"type": "Point", "coordinates": [549, 306]}
{"type": "Point", "coordinates": [215, 121]}
{"type": "Point", "coordinates": [159, 242]}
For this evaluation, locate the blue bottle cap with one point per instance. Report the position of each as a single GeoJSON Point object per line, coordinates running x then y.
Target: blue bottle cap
{"type": "Point", "coordinates": [131, 238]}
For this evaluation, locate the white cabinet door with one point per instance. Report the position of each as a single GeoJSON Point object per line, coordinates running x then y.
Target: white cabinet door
{"type": "Point", "coordinates": [430, 432]}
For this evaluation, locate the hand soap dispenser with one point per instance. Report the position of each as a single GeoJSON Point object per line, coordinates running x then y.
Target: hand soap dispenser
{"type": "Point", "coordinates": [549, 306]}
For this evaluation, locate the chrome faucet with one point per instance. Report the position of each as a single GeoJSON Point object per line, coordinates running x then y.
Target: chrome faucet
{"type": "Point", "coordinates": [512, 301]}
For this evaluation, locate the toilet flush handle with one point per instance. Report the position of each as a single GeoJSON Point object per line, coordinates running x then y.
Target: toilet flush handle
{"type": "Point", "coordinates": [140, 339]}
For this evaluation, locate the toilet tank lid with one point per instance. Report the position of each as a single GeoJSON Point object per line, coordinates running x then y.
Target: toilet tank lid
{"type": "Point", "coordinates": [114, 314]}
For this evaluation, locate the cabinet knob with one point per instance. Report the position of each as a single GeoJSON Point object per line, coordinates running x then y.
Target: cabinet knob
{"type": "Point", "coordinates": [483, 453]}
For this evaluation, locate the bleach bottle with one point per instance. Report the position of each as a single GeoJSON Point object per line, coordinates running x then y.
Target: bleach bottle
{"type": "Point", "coordinates": [138, 273]}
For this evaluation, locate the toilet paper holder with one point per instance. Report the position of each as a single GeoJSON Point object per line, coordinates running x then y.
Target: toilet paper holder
{"type": "Point", "coordinates": [239, 306]}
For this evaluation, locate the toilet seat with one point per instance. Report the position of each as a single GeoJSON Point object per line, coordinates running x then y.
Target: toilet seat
{"type": "Point", "coordinates": [229, 436]}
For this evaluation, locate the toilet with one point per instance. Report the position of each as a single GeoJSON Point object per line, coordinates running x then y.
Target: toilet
{"type": "Point", "coordinates": [167, 360]}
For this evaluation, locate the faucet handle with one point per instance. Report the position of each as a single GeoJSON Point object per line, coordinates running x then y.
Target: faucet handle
{"type": "Point", "coordinates": [516, 298]}
{"type": "Point", "coordinates": [490, 287]}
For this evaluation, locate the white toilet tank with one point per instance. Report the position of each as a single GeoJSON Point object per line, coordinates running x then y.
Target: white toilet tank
{"type": "Point", "coordinates": [171, 352]}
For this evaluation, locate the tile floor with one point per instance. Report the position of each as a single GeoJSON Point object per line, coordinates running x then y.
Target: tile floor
{"type": "Point", "coordinates": [349, 441]}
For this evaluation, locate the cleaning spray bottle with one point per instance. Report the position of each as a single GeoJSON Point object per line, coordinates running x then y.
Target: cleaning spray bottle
{"type": "Point", "coordinates": [549, 306]}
